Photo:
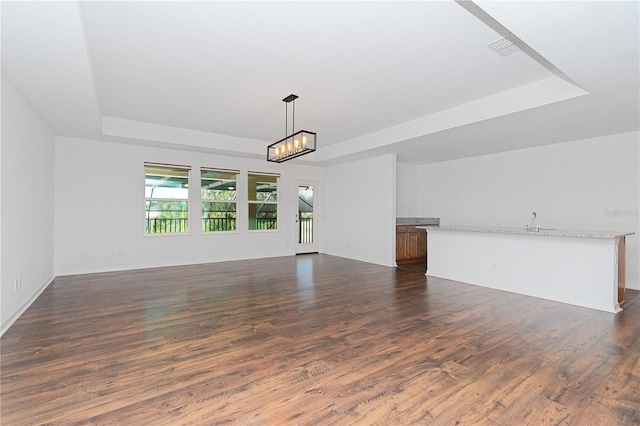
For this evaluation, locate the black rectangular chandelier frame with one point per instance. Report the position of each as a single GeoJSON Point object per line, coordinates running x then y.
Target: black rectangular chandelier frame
{"type": "Point", "coordinates": [294, 145]}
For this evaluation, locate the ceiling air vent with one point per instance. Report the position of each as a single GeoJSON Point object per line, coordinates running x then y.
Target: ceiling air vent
{"type": "Point", "coordinates": [503, 47]}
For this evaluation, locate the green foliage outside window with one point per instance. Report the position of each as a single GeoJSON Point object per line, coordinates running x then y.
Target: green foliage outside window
{"type": "Point", "coordinates": [263, 202]}
{"type": "Point", "coordinates": [166, 199]}
{"type": "Point", "coordinates": [218, 194]}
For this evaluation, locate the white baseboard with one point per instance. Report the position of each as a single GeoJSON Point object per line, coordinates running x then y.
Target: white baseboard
{"type": "Point", "coordinates": [8, 322]}
{"type": "Point", "coordinates": [136, 267]}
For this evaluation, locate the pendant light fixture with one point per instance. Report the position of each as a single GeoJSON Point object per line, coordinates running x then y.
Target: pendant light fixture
{"type": "Point", "coordinates": [295, 144]}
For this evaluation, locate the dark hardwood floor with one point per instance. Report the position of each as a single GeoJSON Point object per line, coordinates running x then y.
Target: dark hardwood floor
{"type": "Point", "coordinates": [313, 340]}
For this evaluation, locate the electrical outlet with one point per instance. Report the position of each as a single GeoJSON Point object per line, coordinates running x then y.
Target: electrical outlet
{"type": "Point", "coordinates": [17, 283]}
{"type": "Point", "coordinates": [494, 266]}
{"type": "Point", "coordinates": [121, 252]}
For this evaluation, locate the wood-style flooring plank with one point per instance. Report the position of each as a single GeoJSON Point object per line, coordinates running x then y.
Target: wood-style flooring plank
{"type": "Point", "coordinates": [313, 340]}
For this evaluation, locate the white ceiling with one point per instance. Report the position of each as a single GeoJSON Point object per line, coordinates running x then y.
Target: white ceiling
{"type": "Point", "coordinates": [414, 78]}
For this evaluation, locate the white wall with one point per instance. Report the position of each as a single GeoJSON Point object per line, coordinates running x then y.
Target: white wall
{"type": "Point", "coordinates": [99, 209]}
{"type": "Point", "coordinates": [590, 184]}
{"type": "Point", "coordinates": [360, 210]}
{"type": "Point", "coordinates": [578, 271]}
{"type": "Point", "coordinates": [408, 190]}
{"type": "Point", "coordinates": [27, 205]}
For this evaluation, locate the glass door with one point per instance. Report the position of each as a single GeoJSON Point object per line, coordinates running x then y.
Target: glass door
{"type": "Point", "coordinates": [306, 228]}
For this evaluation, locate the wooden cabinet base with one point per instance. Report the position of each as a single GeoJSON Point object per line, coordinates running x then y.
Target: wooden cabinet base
{"type": "Point", "coordinates": [620, 257]}
{"type": "Point", "coordinates": [411, 261]}
{"type": "Point", "coordinates": [411, 245]}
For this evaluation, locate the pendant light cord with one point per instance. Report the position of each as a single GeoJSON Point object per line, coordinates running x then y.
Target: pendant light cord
{"type": "Point", "coordinates": [287, 100]}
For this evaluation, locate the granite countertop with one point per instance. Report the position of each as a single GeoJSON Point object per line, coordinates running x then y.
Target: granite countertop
{"type": "Point", "coordinates": [543, 231]}
{"type": "Point", "coordinates": [417, 221]}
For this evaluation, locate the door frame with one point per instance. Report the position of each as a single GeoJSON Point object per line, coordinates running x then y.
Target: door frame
{"type": "Point", "coordinates": [313, 247]}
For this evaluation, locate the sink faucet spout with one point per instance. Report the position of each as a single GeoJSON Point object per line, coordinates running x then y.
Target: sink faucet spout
{"type": "Point", "coordinates": [533, 226]}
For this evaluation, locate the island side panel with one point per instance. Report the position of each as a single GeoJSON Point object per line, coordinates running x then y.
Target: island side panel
{"type": "Point", "coordinates": [622, 271]}
{"type": "Point", "coordinates": [578, 271]}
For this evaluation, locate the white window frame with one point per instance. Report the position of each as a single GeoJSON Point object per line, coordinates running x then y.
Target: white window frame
{"type": "Point", "coordinates": [203, 201]}
{"type": "Point", "coordinates": [187, 200]}
{"type": "Point", "coordinates": [251, 202]}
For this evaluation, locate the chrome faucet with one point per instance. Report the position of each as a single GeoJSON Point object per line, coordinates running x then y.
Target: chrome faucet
{"type": "Point", "coordinates": [533, 226]}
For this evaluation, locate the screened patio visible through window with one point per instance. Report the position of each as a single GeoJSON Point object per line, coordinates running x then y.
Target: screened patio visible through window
{"type": "Point", "coordinates": [263, 201]}
{"type": "Point", "coordinates": [166, 192]}
{"type": "Point", "coordinates": [218, 196]}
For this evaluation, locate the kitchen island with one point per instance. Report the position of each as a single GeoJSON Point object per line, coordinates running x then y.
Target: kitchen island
{"type": "Point", "coordinates": [583, 268]}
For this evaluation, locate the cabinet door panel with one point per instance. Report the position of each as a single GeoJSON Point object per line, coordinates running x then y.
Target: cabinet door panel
{"type": "Point", "coordinates": [401, 246]}
{"type": "Point", "coordinates": [412, 243]}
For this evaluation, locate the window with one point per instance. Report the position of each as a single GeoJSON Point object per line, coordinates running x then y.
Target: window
{"type": "Point", "coordinates": [166, 193]}
{"type": "Point", "coordinates": [263, 201]}
{"type": "Point", "coordinates": [218, 195]}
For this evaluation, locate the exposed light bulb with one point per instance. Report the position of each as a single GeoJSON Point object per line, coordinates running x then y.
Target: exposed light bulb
{"type": "Point", "coordinates": [304, 141]}
{"type": "Point", "coordinates": [296, 143]}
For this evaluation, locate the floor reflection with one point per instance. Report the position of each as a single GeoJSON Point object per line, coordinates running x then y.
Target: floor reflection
{"type": "Point", "coordinates": [304, 279]}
